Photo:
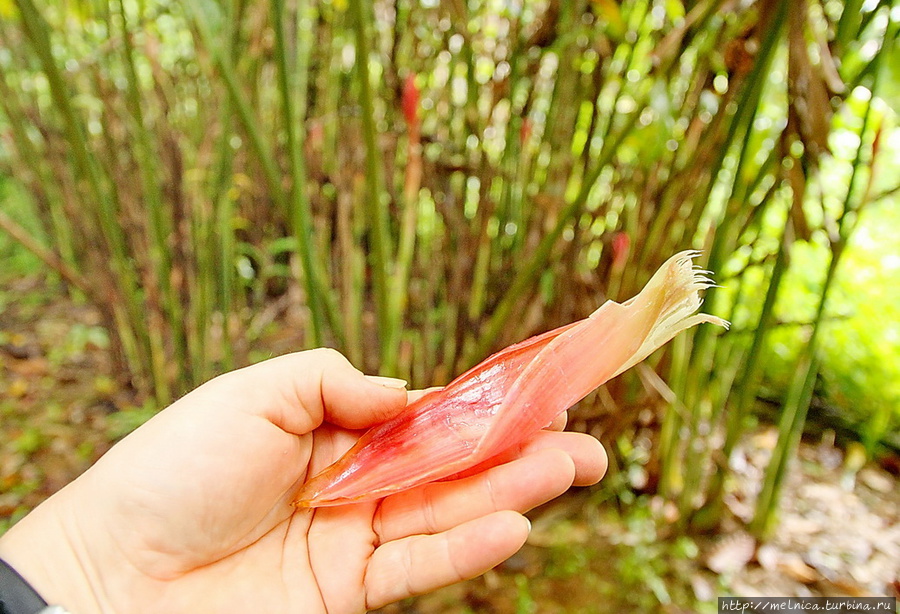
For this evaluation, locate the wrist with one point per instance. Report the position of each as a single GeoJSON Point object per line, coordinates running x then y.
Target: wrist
{"type": "Point", "coordinates": [17, 596]}
{"type": "Point", "coordinates": [43, 554]}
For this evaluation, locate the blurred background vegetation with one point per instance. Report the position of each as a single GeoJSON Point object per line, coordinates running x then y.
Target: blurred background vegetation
{"type": "Point", "coordinates": [420, 182]}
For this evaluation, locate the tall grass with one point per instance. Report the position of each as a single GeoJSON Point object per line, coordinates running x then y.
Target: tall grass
{"type": "Point", "coordinates": [419, 184]}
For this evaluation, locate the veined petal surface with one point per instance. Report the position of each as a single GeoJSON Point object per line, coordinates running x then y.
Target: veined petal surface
{"type": "Point", "coordinates": [514, 393]}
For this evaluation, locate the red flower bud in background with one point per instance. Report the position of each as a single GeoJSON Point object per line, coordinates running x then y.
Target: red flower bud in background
{"type": "Point", "coordinates": [524, 131]}
{"type": "Point", "coordinates": [410, 103]}
{"type": "Point", "coordinates": [413, 178]}
{"type": "Point", "coordinates": [620, 247]}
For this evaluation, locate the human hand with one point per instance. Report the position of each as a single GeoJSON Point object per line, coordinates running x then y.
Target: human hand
{"type": "Point", "coordinates": [191, 512]}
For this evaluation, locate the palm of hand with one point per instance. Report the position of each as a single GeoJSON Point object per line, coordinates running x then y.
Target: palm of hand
{"type": "Point", "coordinates": [231, 541]}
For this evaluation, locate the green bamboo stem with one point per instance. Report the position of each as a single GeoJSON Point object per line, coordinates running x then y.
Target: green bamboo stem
{"type": "Point", "coordinates": [482, 233]}
{"type": "Point", "coordinates": [849, 23]}
{"type": "Point", "coordinates": [619, 84]}
{"type": "Point", "coordinates": [430, 307]}
{"type": "Point", "coordinates": [330, 91]}
{"type": "Point", "coordinates": [526, 276]}
{"type": "Point", "coordinates": [379, 257]}
{"type": "Point", "coordinates": [301, 215]}
{"type": "Point", "coordinates": [561, 113]}
{"type": "Point", "coordinates": [471, 124]}
{"type": "Point", "coordinates": [701, 369]}
{"type": "Point", "coordinates": [242, 107]}
{"type": "Point", "coordinates": [226, 279]}
{"type": "Point", "coordinates": [136, 334]}
{"type": "Point", "coordinates": [45, 255]}
{"type": "Point", "coordinates": [224, 239]}
{"type": "Point", "coordinates": [801, 388]}
{"type": "Point", "coordinates": [148, 361]}
{"type": "Point", "coordinates": [671, 478]}
{"type": "Point", "coordinates": [63, 240]}
{"type": "Point", "coordinates": [747, 107]}
{"type": "Point", "coordinates": [847, 223]}
{"type": "Point", "coordinates": [350, 229]}
{"type": "Point", "coordinates": [741, 123]}
{"type": "Point", "coordinates": [223, 234]}
{"type": "Point", "coordinates": [202, 287]}
{"type": "Point", "coordinates": [450, 327]}
{"type": "Point", "coordinates": [330, 87]}
{"type": "Point", "coordinates": [160, 227]}
{"type": "Point", "coordinates": [407, 241]}
{"type": "Point", "coordinates": [480, 277]}
{"type": "Point", "coordinates": [790, 427]}
{"type": "Point", "coordinates": [149, 290]}
{"type": "Point", "coordinates": [510, 209]}
{"type": "Point", "coordinates": [746, 386]}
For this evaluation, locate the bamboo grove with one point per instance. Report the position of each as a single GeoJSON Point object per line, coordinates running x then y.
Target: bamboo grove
{"type": "Point", "coordinates": [426, 181]}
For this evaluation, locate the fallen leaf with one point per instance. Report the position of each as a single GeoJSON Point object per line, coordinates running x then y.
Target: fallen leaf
{"type": "Point", "coordinates": [876, 481]}
{"type": "Point", "coordinates": [17, 388]}
{"type": "Point", "coordinates": [794, 567]}
{"type": "Point", "coordinates": [732, 553]}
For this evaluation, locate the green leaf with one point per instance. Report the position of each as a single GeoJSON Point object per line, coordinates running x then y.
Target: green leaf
{"type": "Point", "coordinates": [609, 12]}
{"type": "Point", "coordinates": [674, 9]}
{"type": "Point", "coordinates": [889, 89]}
{"type": "Point", "coordinates": [7, 9]}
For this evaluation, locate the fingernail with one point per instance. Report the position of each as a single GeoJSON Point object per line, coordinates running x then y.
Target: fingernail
{"type": "Point", "coordinates": [387, 382]}
{"type": "Point", "coordinates": [529, 524]}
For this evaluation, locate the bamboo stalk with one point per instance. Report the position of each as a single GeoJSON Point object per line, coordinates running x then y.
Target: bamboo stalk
{"type": "Point", "coordinates": [221, 196]}
{"type": "Point", "coordinates": [160, 228]}
{"type": "Point", "coordinates": [47, 256]}
{"type": "Point", "coordinates": [529, 272]}
{"type": "Point", "coordinates": [380, 254]}
{"type": "Point", "coordinates": [701, 368]}
{"type": "Point", "coordinates": [42, 181]}
{"type": "Point", "coordinates": [300, 213]}
{"type": "Point", "coordinates": [145, 341]}
{"type": "Point", "coordinates": [849, 23]}
{"type": "Point", "coordinates": [801, 388]}
{"type": "Point", "coordinates": [790, 426]}
{"type": "Point", "coordinates": [222, 236]}
{"type": "Point", "coordinates": [242, 107]}
{"type": "Point", "coordinates": [747, 384]}
{"type": "Point", "coordinates": [747, 106]}
{"type": "Point", "coordinates": [410, 206]}
{"type": "Point", "coordinates": [350, 228]}
{"type": "Point", "coordinates": [136, 247]}
{"type": "Point", "coordinates": [670, 449]}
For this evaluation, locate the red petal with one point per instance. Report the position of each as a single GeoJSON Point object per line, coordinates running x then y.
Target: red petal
{"type": "Point", "coordinates": [434, 438]}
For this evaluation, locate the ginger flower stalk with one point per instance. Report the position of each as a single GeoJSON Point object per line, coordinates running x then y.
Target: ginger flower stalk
{"type": "Point", "coordinates": [504, 400]}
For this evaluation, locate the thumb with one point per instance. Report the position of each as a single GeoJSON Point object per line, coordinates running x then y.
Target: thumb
{"type": "Point", "coordinates": [354, 401]}
{"type": "Point", "coordinates": [298, 392]}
